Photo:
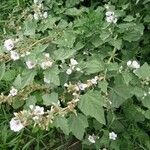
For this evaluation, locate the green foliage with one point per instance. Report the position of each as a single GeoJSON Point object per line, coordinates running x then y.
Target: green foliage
{"type": "Point", "coordinates": [89, 73]}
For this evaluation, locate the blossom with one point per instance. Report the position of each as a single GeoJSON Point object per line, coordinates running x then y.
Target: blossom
{"type": "Point", "coordinates": [66, 85]}
{"type": "Point", "coordinates": [46, 80]}
{"type": "Point", "coordinates": [46, 64]}
{"type": "Point", "coordinates": [38, 110]}
{"type": "Point", "coordinates": [112, 136]}
{"type": "Point", "coordinates": [73, 62]}
{"type": "Point", "coordinates": [69, 71]}
{"type": "Point", "coordinates": [13, 92]}
{"type": "Point", "coordinates": [94, 80]}
{"type": "Point", "coordinates": [16, 125]}
{"type": "Point", "coordinates": [9, 44]}
{"type": "Point", "coordinates": [36, 16]}
{"type": "Point", "coordinates": [14, 55]}
{"type": "Point", "coordinates": [36, 1]}
{"type": "Point", "coordinates": [30, 64]}
{"type": "Point", "coordinates": [45, 14]}
{"type": "Point", "coordinates": [110, 17]}
{"type": "Point", "coordinates": [133, 64]}
{"type": "Point", "coordinates": [91, 139]}
{"type": "Point", "coordinates": [82, 86]}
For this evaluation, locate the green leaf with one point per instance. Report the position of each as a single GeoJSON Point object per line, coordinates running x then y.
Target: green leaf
{"type": "Point", "coordinates": [66, 40]}
{"type": "Point", "coordinates": [40, 48]}
{"type": "Point", "coordinates": [103, 85]}
{"type": "Point", "coordinates": [73, 11]}
{"type": "Point", "coordinates": [52, 75]}
{"type": "Point", "coordinates": [30, 27]}
{"type": "Point", "coordinates": [30, 101]}
{"type": "Point", "coordinates": [94, 66]}
{"type": "Point", "coordinates": [91, 104]}
{"type": "Point", "coordinates": [143, 72]}
{"type": "Point", "coordinates": [62, 54]}
{"type": "Point", "coordinates": [146, 101]}
{"type": "Point", "coordinates": [117, 43]}
{"type": "Point", "coordinates": [9, 75]}
{"type": "Point", "coordinates": [62, 123]}
{"type": "Point", "coordinates": [119, 95]}
{"type": "Point", "coordinates": [49, 99]}
{"type": "Point", "coordinates": [77, 125]}
{"type": "Point", "coordinates": [17, 82]}
{"type": "Point", "coordinates": [2, 70]}
{"type": "Point", "coordinates": [28, 78]}
{"type": "Point", "coordinates": [129, 18]}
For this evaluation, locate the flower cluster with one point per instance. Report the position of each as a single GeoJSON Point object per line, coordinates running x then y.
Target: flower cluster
{"type": "Point", "coordinates": [75, 88]}
{"type": "Point", "coordinates": [112, 136]}
{"type": "Point", "coordinates": [46, 63]}
{"type": "Point", "coordinates": [38, 117]}
{"type": "Point", "coordinates": [133, 64]}
{"type": "Point", "coordinates": [72, 66]}
{"type": "Point", "coordinates": [110, 17]}
{"type": "Point", "coordinates": [9, 45]}
{"type": "Point", "coordinates": [39, 12]}
{"type": "Point", "coordinates": [92, 138]}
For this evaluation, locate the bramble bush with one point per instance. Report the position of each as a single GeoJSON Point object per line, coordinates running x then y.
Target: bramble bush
{"type": "Point", "coordinates": [75, 73]}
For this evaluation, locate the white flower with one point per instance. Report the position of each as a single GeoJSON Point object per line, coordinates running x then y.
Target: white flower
{"type": "Point", "coordinates": [30, 64]}
{"type": "Point", "coordinates": [73, 62]}
{"type": "Point", "coordinates": [110, 17]}
{"type": "Point", "coordinates": [133, 64]}
{"type": "Point", "coordinates": [28, 53]}
{"type": "Point", "coordinates": [129, 63]}
{"type": "Point", "coordinates": [45, 14]}
{"type": "Point", "coordinates": [16, 125]}
{"type": "Point", "coordinates": [69, 71]}
{"type": "Point", "coordinates": [9, 44]}
{"type": "Point", "coordinates": [94, 81]}
{"type": "Point", "coordinates": [82, 86]}
{"type": "Point", "coordinates": [46, 64]}
{"type": "Point", "coordinates": [47, 55]}
{"type": "Point", "coordinates": [78, 69]}
{"type": "Point", "coordinates": [91, 139]}
{"type": "Point", "coordinates": [38, 110]}
{"type": "Point", "coordinates": [36, 1]}
{"type": "Point", "coordinates": [13, 92]}
{"type": "Point", "coordinates": [31, 107]}
{"type": "Point", "coordinates": [36, 16]}
{"type": "Point", "coordinates": [46, 80]}
{"type": "Point", "coordinates": [109, 13]}
{"type": "Point", "coordinates": [66, 85]}
{"type": "Point", "coordinates": [112, 136]}
{"type": "Point", "coordinates": [14, 55]}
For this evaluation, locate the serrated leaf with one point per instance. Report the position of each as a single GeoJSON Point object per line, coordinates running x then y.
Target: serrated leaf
{"type": "Point", "coordinates": [91, 104]}
{"type": "Point", "coordinates": [143, 72]}
{"type": "Point", "coordinates": [94, 66]}
{"type": "Point", "coordinates": [17, 82]}
{"type": "Point", "coordinates": [62, 54]}
{"type": "Point", "coordinates": [49, 99]}
{"type": "Point", "coordinates": [103, 85]}
{"type": "Point", "coordinates": [52, 75]}
{"type": "Point", "coordinates": [30, 27]}
{"type": "Point", "coordinates": [30, 101]}
{"type": "Point", "coordinates": [119, 95]}
{"type": "Point", "coordinates": [2, 70]}
{"type": "Point", "coordinates": [66, 40]}
{"type": "Point", "coordinates": [9, 75]}
{"type": "Point", "coordinates": [146, 101]}
{"type": "Point", "coordinates": [28, 78]}
{"type": "Point", "coordinates": [77, 125]}
{"type": "Point", "coordinates": [62, 123]}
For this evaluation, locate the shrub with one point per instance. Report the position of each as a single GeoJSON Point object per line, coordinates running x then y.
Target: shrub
{"type": "Point", "coordinates": [75, 71]}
